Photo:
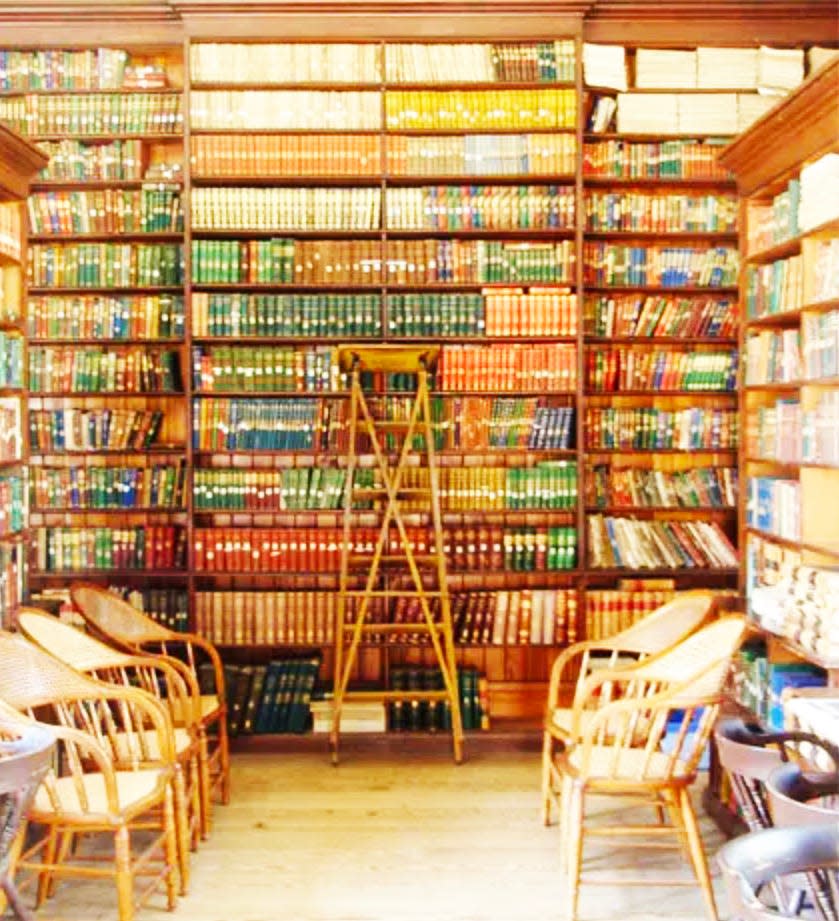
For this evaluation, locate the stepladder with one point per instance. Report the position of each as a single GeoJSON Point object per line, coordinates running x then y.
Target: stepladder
{"type": "Point", "coordinates": [404, 562]}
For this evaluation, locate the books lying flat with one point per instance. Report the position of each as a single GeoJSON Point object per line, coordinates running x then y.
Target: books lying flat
{"type": "Point", "coordinates": [779, 69]}
{"type": "Point", "coordinates": [659, 69]}
{"type": "Point", "coordinates": [751, 107]}
{"type": "Point", "coordinates": [356, 716]}
{"type": "Point", "coordinates": [605, 65]}
{"type": "Point", "coordinates": [642, 113]}
{"type": "Point", "coordinates": [726, 68]}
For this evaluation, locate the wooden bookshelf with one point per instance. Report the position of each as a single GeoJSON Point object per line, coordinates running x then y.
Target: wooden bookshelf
{"type": "Point", "coordinates": [19, 162]}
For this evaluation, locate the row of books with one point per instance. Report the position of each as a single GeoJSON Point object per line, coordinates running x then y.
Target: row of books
{"type": "Point", "coordinates": [264, 425]}
{"type": "Point", "coordinates": [774, 288]}
{"type": "Point", "coordinates": [639, 487]}
{"type": "Point", "coordinates": [720, 114]}
{"type": "Point", "coordinates": [628, 543]}
{"type": "Point", "coordinates": [71, 160]}
{"type": "Point", "coordinates": [480, 207]}
{"type": "Point", "coordinates": [609, 611]}
{"type": "Point", "coordinates": [93, 114]}
{"type": "Point", "coordinates": [824, 277]}
{"type": "Point", "coordinates": [10, 434]}
{"type": "Point", "coordinates": [415, 262]}
{"type": "Point", "coordinates": [819, 190]}
{"type": "Point", "coordinates": [441, 110]}
{"type": "Point", "coordinates": [289, 208]}
{"type": "Point", "coordinates": [81, 549]}
{"type": "Point", "coordinates": [648, 428]}
{"type": "Point", "coordinates": [216, 369]}
{"type": "Point", "coordinates": [355, 155]}
{"type": "Point", "coordinates": [674, 159]}
{"type": "Point", "coordinates": [268, 490]}
{"type": "Point", "coordinates": [412, 714]}
{"type": "Point", "coordinates": [660, 212]}
{"type": "Point", "coordinates": [620, 368]}
{"type": "Point", "coordinates": [773, 432]}
{"type": "Point", "coordinates": [820, 430]}
{"type": "Point", "coordinates": [534, 367]}
{"type": "Point", "coordinates": [152, 209]}
{"type": "Point", "coordinates": [168, 606]}
{"type": "Point", "coordinates": [274, 110]}
{"type": "Point", "coordinates": [773, 505]}
{"type": "Point", "coordinates": [10, 230]}
{"type": "Point", "coordinates": [659, 315]}
{"type": "Point", "coordinates": [11, 361]}
{"type": "Point", "coordinates": [104, 265]}
{"type": "Point", "coordinates": [270, 698]}
{"type": "Point", "coordinates": [89, 487]}
{"type": "Point", "coordinates": [292, 315]}
{"type": "Point", "coordinates": [12, 565]}
{"type": "Point", "coordinates": [100, 316]}
{"type": "Point", "coordinates": [62, 69]}
{"type": "Point", "coordinates": [94, 370]}
{"type": "Point", "coordinates": [540, 617]}
{"type": "Point", "coordinates": [531, 549]}
{"type": "Point", "coordinates": [76, 429]}
{"type": "Point", "coordinates": [478, 423]}
{"type": "Point", "coordinates": [772, 222]}
{"type": "Point", "coordinates": [10, 303]}
{"type": "Point", "coordinates": [607, 264]}
{"type": "Point", "coordinates": [820, 345]}
{"type": "Point", "coordinates": [773, 356]}
{"type": "Point", "coordinates": [12, 503]}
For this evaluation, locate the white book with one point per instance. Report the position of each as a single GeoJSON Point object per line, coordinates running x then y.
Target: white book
{"type": "Point", "coordinates": [656, 68]}
{"type": "Point", "coordinates": [605, 65]}
{"type": "Point", "coordinates": [779, 70]}
{"type": "Point", "coordinates": [751, 107]}
{"type": "Point", "coordinates": [642, 113]}
{"type": "Point", "coordinates": [708, 113]}
{"type": "Point", "coordinates": [726, 68]}
{"type": "Point", "coordinates": [817, 57]}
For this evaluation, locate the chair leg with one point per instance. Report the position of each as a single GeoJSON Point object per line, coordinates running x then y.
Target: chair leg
{"type": "Point", "coordinates": [45, 876]}
{"type": "Point", "coordinates": [196, 819]}
{"type": "Point", "coordinates": [124, 874]}
{"type": "Point", "coordinates": [65, 844]}
{"type": "Point", "coordinates": [21, 912]}
{"type": "Point", "coordinates": [204, 782]}
{"type": "Point", "coordinates": [224, 751]}
{"type": "Point", "coordinates": [697, 852]}
{"type": "Point", "coordinates": [170, 847]}
{"type": "Point", "coordinates": [182, 828]}
{"type": "Point", "coordinates": [547, 777]}
{"type": "Point", "coordinates": [571, 845]}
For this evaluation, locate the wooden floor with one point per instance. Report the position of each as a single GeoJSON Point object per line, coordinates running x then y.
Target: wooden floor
{"type": "Point", "coordinates": [397, 832]}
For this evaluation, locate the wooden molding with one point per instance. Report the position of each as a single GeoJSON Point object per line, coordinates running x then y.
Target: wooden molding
{"type": "Point", "coordinates": [800, 127]}
{"type": "Point", "coordinates": [19, 162]}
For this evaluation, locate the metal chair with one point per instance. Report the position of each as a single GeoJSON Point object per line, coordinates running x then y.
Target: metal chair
{"type": "Point", "coordinates": [763, 862]}
{"type": "Point", "coordinates": [645, 745]}
{"type": "Point", "coordinates": [118, 623]}
{"type": "Point", "coordinates": [25, 753]}
{"type": "Point", "coordinates": [659, 630]}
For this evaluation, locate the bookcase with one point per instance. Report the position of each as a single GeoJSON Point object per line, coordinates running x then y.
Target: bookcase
{"type": "Point", "coordinates": [789, 459]}
{"type": "Point", "coordinates": [19, 161]}
{"type": "Point", "coordinates": [217, 216]}
{"type": "Point", "coordinates": [108, 412]}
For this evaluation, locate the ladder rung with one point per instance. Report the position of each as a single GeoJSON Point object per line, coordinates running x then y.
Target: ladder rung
{"type": "Point", "coordinates": [394, 593]}
{"type": "Point", "coordinates": [421, 627]}
{"type": "Point", "coordinates": [381, 491]}
{"type": "Point", "coordinates": [396, 695]}
{"type": "Point", "coordinates": [394, 424]}
{"type": "Point", "coordinates": [427, 559]}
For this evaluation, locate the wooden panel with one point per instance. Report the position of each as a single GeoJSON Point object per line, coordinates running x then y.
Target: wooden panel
{"type": "Point", "coordinates": [19, 161]}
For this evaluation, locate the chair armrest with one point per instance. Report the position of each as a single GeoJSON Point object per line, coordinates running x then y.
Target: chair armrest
{"type": "Point", "coordinates": [195, 640]}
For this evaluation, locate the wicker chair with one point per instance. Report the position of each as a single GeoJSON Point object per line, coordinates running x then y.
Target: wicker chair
{"type": "Point", "coordinates": [155, 675]}
{"type": "Point", "coordinates": [25, 753]}
{"type": "Point", "coordinates": [118, 623]}
{"type": "Point", "coordinates": [664, 627]}
{"type": "Point", "coordinates": [115, 774]}
{"type": "Point", "coordinates": [645, 746]}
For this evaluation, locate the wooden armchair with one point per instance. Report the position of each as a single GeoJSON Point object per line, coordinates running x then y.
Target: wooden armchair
{"type": "Point", "coordinates": [158, 676]}
{"type": "Point", "coordinates": [664, 627]}
{"type": "Point", "coordinates": [115, 774]}
{"type": "Point", "coordinates": [118, 623]}
{"type": "Point", "coordinates": [645, 746]}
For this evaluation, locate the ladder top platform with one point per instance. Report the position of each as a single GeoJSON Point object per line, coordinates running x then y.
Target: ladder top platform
{"type": "Point", "coordinates": [393, 357]}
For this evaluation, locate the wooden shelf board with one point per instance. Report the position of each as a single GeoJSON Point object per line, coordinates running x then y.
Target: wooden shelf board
{"type": "Point", "coordinates": [660, 392]}
{"type": "Point", "coordinates": [109, 394]}
{"type": "Point", "coordinates": [648, 451]}
{"type": "Point", "coordinates": [155, 236]}
{"type": "Point", "coordinates": [591, 179]}
{"type": "Point", "coordinates": [116, 136]}
{"type": "Point", "coordinates": [729, 236]}
{"type": "Point", "coordinates": [660, 289]}
{"type": "Point", "coordinates": [788, 318]}
{"type": "Point", "coordinates": [111, 510]}
{"type": "Point", "coordinates": [69, 574]}
{"type": "Point", "coordinates": [54, 185]}
{"type": "Point", "coordinates": [108, 91]}
{"type": "Point", "coordinates": [79, 292]}
{"type": "Point", "coordinates": [657, 509]}
{"type": "Point", "coordinates": [791, 246]}
{"type": "Point", "coordinates": [110, 452]}
{"type": "Point", "coordinates": [104, 340]}
{"type": "Point", "coordinates": [650, 341]}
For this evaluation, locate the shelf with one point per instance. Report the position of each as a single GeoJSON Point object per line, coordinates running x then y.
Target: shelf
{"type": "Point", "coordinates": [592, 136]}
{"type": "Point", "coordinates": [111, 91]}
{"type": "Point", "coordinates": [112, 510]}
{"type": "Point", "coordinates": [345, 394]}
{"type": "Point", "coordinates": [49, 185]}
{"type": "Point", "coordinates": [12, 392]}
{"type": "Point", "coordinates": [513, 517]}
{"type": "Point", "coordinates": [657, 509]}
{"type": "Point", "coordinates": [820, 382]}
{"type": "Point", "coordinates": [280, 287]}
{"type": "Point", "coordinates": [12, 259]}
{"type": "Point", "coordinates": [651, 341]}
{"type": "Point", "coordinates": [511, 233]}
{"type": "Point", "coordinates": [287, 179]}
{"type": "Point", "coordinates": [729, 236]}
{"type": "Point", "coordinates": [660, 392]}
{"type": "Point", "coordinates": [233, 86]}
{"type": "Point", "coordinates": [820, 306]}
{"type": "Point", "coordinates": [791, 246]}
{"type": "Point", "coordinates": [431, 179]}
{"type": "Point", "coordinates": [788, 318]}
{"type": "Point", "coordinates": [116, 236]}
{"type": "Point", "coordinates": [647, 451]}
{"type": "Point", "coordinates": [110, 452]}
{"type": "Point", "coordinates": [79, 292]}
{"type": "Point", "coordinates": [337, 132]}
{"type": "Point", "coordinates": [659, 289]}
{"type": "Point", "coordinates": [790, 467]}
{"type": "Point", "coordinates": [102, 340]}
{"type": "Point", "coordinates": [804, 546]}
{"type": "Point", "coordinates": [808, 654]}
{"type": "Point", "coordinates": [651, 572]}
{"type": "Point", "coordinates": [13, 326]}
{"type": "Point", "coordinates": [780, 386]}
{"type": "Point", "coordinates": [105, 138]}
{"type": "Point", "coordinates": [703, 182]}
{"type": "Point", "coordinates": [66, 575]}
{"type": "Point", "coordinates": [5, 464]}
{"type": "Point", "coordinates": [328, 340]}
{"type": "Point", "coordinates": [202, 233]}
{"type": "Point", "coordinates": [457, 132]}
{"type": "Point", "coordinates": [487, 454]}
{"type": "Point", "coordinates": [110, 394]}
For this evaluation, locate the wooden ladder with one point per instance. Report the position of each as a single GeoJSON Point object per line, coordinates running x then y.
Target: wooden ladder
{"type": "Point", "coordinates": [425, 568]}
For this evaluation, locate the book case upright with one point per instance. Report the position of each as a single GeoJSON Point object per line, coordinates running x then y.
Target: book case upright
{"type": "Point", "coordinates": [19, 161]}
{"type": "Point", "coordinates": [789, 458]}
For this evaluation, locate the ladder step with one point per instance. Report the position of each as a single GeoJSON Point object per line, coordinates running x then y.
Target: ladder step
{"type": "Point", "coordinates": [402, 491]}
{"type": "Point", "coordinates": [421, 627]}
{"type": "Point", "coordinates": [422, 559]}
{"type": "Point", "coordinates": [394, 593]}
{"type": "Point", "coordinates": [395, 424]}
{"type": "Point", "coordinates": [396, 695]}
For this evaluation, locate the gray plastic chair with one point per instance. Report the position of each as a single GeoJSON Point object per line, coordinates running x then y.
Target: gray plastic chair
{"type": "Point", "coordinates": [25, 753]}
{"type": "Point", "coordinates": [756, 864]}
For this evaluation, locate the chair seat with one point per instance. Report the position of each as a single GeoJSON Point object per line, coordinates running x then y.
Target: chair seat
{"type": "Point", "coordinates": [183, 742]}
{"type": "Point", "coordinates": [560, 720]}
{"type": "Point", "coordinates": [134, 790]}
{"type": "Point", "coordinates": [631, 765]}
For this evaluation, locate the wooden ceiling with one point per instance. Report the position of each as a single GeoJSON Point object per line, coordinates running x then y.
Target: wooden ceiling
{"type": "Point", "coordinates": [670, 22]}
